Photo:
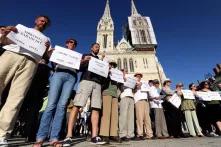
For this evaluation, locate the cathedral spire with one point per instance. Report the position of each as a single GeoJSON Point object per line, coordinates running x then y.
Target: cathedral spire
{"type": "Point", "coordinates": [107, 14]}
{"type": "Point", "coordinates": [134, 11]}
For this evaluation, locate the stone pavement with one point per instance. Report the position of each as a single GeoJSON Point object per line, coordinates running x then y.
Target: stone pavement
{"type": "Point", "coordinates": [184, 142]}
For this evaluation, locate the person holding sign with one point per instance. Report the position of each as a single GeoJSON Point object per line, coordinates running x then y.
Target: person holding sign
{"type": "Point", "coordinates": [142, 110]}
{"type": "Point", "coordinates": [156, 106]}
{"type": "Point", "coordinates": [109, 119]}
{"type": "Point", "coordinates": [172, 113]}
{"type": "Point", "coordinates": [89, 87]}
{"type": "Point", "coordinates": [61, 85]}
{"type": "Point", "coordinates": [19, 66]}
{"type": "Point", "coordinates": [189, 109]}
{"type": "Point", "coordinates": [126, 118]}
{"type": "Point", "coordinates": [212, 112]}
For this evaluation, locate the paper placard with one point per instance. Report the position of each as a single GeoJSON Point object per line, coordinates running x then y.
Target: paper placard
{"type": "Point", "coordinates": [145, 87]}
{"type": "Point", "coordinates": [214, 96]}
{"type": "Point", "coordinates": [116, 75]}
{"type": "Point", "coordinates": [130, 82]}
{"type": "Point", "coordinates": [188, 94]}
{"type": "Point", "coordinates": [29, 39]}
{"type": "Point", "coordinates": [175, 100]}
{"type": "Point", "coordinates": [98, 67]}
{"type": "Point", "coordinates": [66, 57]}
{"type": "Point", "coordinates": [203, 95]}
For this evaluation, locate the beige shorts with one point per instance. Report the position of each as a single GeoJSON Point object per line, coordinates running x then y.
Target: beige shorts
{"type": "Point", "coordinates": [88, 89]}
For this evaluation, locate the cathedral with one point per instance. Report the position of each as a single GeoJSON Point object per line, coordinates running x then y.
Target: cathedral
{"type": "Point", "coordinates": [136, 51]}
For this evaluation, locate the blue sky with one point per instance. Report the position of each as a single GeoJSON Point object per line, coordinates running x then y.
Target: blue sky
{"type": "Point", "coordinates": [188, 31]}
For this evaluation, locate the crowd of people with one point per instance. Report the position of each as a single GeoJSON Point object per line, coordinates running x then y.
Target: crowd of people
{"type": "Point", "coordinates": [38, 100]}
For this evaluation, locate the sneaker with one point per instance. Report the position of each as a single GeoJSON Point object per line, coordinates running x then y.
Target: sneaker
{"type": "Point", "coordinates": [97, 140]}
{"type": "Point", "coordinates": [3, 142]}
{"type": "Point", "coordinates": [67, 142]}
{"type": "Point", "coordinates": [212, 134]}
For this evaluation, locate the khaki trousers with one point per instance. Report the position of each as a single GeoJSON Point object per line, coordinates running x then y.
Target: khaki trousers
{"type": "Point", "coordinates": [160, 123]}
{"type": "Point", "coordinates": [109, 119]}
{"type": "Point", "coordinates": [126, 118]}
{"type": "Point", "coordinates": [143, 118]}
{"type": "Point", "coordinates": [18, 69]}
{"type": "Point", "coordinates": [192, 122]}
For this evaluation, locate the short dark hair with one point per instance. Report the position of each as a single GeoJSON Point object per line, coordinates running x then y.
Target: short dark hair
{"type": "Point", "coordinates": [2, 26]}
{"type": "Point", "coordinates": [92, 45]}
{"type": "Point", "coordinates": [75, 41]}
{"type": "Point", "coordinates": [49, 21]}
{"type": "Point", "coordinates": [150, 81]}
{"type": "Point", "coordinates": [190, 85]}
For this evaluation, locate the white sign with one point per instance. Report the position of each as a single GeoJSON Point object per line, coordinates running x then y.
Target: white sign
{"type": "Point", "coordinates": [130, 82]}
{"type": "Point", "coordinates": [175, 100]}
{"type": "Point", "coordinates": [203, 96]}
{"type": "Point", "coordinates": [116, 75]}
{"type": "Point", "coordinates": [66, 57]}
{"type": "Point", "coordinates": [98, 67]}
{"type": "Point", "coordinates": [188, 94]}
{"type": "Point", "coordinates": [29, 39]}
{"type": "Point", "coordinates": [145, 87]}
{"type": "Point", "coordinates": [214, 96]}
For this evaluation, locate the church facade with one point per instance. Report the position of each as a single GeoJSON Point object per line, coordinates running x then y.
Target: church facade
{"type": "Point", "coordinates": [136, 51]}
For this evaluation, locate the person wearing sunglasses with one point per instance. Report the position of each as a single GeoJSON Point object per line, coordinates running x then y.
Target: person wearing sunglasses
{"type": "Point", "coordinates": [61, 85]}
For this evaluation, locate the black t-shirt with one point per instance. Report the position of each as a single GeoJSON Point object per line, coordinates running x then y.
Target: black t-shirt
{"type": "Point", "coordinates": [87, 75]}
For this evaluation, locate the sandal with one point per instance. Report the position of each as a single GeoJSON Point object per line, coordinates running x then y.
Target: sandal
{"type": "Point", "coordinates": [56, 144]}
{"type": "Point", "coordinates": [38, 144]}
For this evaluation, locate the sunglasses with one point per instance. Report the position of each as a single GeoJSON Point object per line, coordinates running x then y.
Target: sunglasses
{"type": "Point", "coordinates": [72, 42]}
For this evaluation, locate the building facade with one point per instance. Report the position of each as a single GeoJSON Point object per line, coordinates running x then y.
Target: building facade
{"type": "Point", "coordinates": [136, 51]}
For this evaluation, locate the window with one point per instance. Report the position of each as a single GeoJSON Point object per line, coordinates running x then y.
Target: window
{"type": "Point", "coordinates": [119, 63]}
{"type": "Point", "coordinates": [125, 64]}
{"type": "Point", "coordinates": [143, 36]}
{"type": "Point", "coordinates": [105, 41]}
{"type": "Point", "coordinates": [131, 65]}
{"type": "Point", "coordinates": [146, 63]}
{"type": "Point", "coordinates": [135, 63]}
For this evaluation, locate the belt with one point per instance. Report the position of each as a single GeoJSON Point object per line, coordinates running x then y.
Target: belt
{"type": "Point", "coordinates": [67, 71]}
{"type": "Point", "coordinates": [143, 100]}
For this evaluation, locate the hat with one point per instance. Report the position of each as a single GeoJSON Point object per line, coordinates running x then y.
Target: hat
{"type": "Point", "coordinates": [156, 81]}
{"type": "Point", "coordinates": [167, 80]}
{"type": "Point", "coordinates": [140, 74]}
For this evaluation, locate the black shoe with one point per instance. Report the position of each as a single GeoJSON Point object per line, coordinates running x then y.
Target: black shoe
{"type": "Point", "coordinates": [97, 140]}
{"type": "Point", "coordinates": [139, 138]}
{"type": "Point", "coordinates": [124, 139]}
{"type": "Point", "coordinates": [105, 139]}
{"type": "Point", "coordinates": [115, 139]}
{"type": "Point", "coordinates": [67, 142]}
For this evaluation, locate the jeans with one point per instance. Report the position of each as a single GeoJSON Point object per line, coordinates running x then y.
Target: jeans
{"type": "Point", "coordinates": [61, 85]}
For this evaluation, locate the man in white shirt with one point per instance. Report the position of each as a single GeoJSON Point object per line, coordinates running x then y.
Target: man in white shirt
{"type": "Point", "coordinates": [126, 118]}
{"type": "Point", "coordinates": [156, 105]}
{"type": "Point", "coordinates": [142, 109]}
{"type": "Point", "coordinates": [19, 67]}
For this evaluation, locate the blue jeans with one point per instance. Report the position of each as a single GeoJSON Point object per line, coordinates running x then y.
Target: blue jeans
{"type": "Point", "coordinates": [61, 85]}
